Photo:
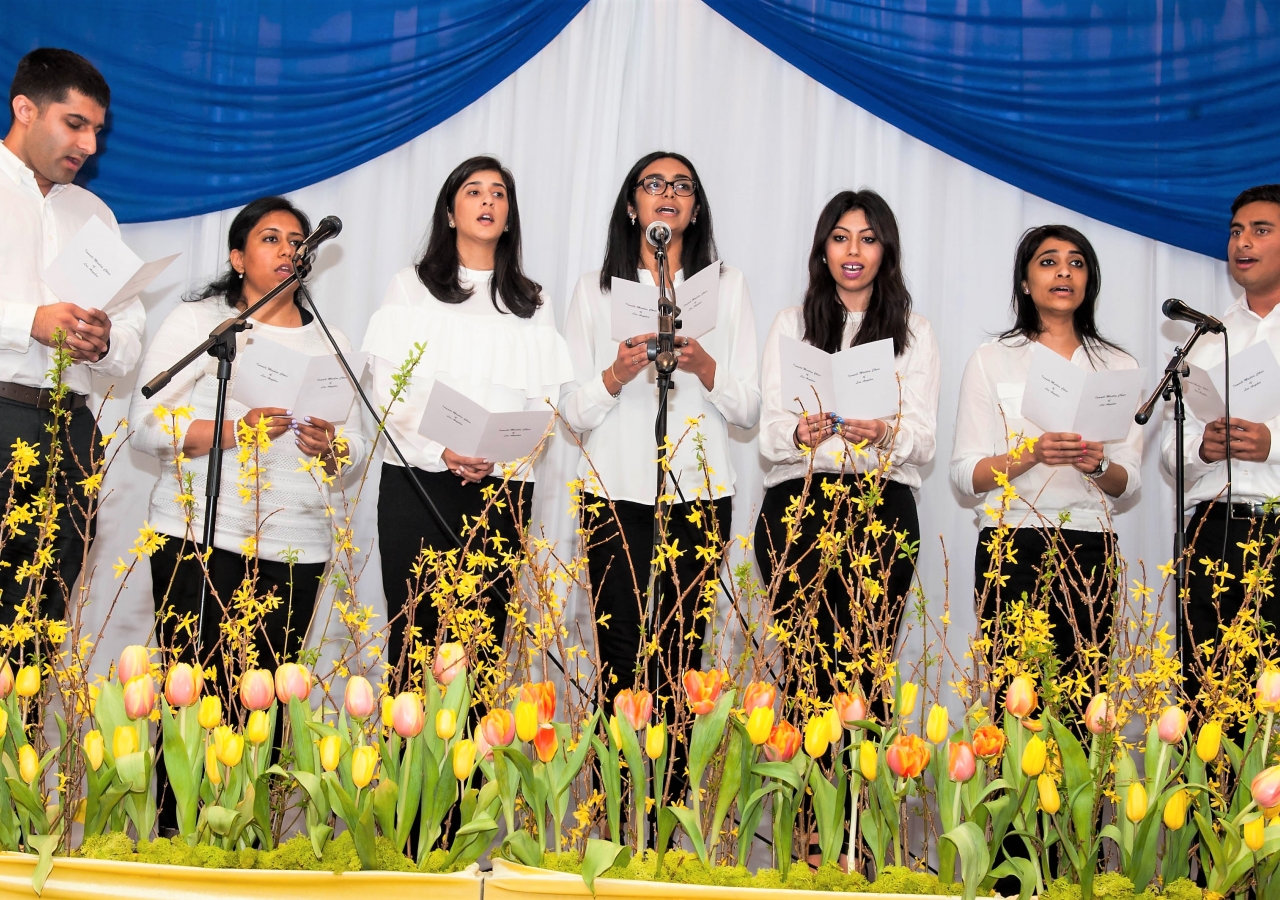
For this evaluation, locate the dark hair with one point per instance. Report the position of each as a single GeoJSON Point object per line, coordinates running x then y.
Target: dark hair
{"type": "Point", "coordinates": [889, 311]}
{"type": "Point", "coordinates": [230, 284]}
{"type": "Point", "coordinates": [622, 251]}
{"type": "Point", "coordinates": [1026, 318]}
{"type": "Point", "coordinates": [47, 74]}
{"type": "Point", "coordinates": [438, 268]}
{"type": "Point", "coordinates": [1263, 193]}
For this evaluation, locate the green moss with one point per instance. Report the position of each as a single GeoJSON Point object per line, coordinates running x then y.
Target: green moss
{"type": "Point", "coordinates": [682, 867]}
{"type": "Point", "coordinates": [113, 846]}
{"type": "Point", "coordinates": [901, 880]}
{"type": "Point", "coordinates": [1061, 889]}
{"type": "Point", "coordinates": [1183, 889]}
{"type": "Point", "coordinates": [1112, 886]}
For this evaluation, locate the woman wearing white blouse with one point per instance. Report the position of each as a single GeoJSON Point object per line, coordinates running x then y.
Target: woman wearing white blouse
{"type": "Point", "coordinates": [856, 295]}
{"type": "Point", "coordinates": [489, 334]}
{"type": "Point", "coordinates": [1065, 485]}
{"type": "Point", "coordinates": [614, 399]}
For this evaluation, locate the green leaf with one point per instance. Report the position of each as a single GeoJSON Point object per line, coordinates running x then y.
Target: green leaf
{"type": "Point", "coordinates": [730, 781]}
{"type": "Point", "coordinates": [478, 825]}
{"type": "Point", "coordinates": [385, 796]}
{"type": "Point", "coordinates": [1022, 869]}
{"type": "Point", "coordinates": [577, 758]}
{"type": "Point", "coordinates": [524, 848]}
{"type": "Point", "coordinates": [975, 858]}
{"type": "Point", "coordinates": [779, 771]}
{"type": "Point", "coordinates": [689, 822]}
{"type": "Point", "coordinates": [598, 859]}
{"type": "Point", "coordinates": [44, 844]}
{"type": "Point", "coordinates": [320, 835]}
{"type": "Point", "coordinates": [708, 731]}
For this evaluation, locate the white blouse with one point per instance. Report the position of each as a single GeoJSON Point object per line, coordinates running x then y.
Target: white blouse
{"type": "Point", "coordinates": [621, 443]}
{"type": "Point", "coordinates": [494, 357]}
{"type": "Point", "coordinates": [993, 383]}
{"type": "Point", "coordinates": [919, 370]}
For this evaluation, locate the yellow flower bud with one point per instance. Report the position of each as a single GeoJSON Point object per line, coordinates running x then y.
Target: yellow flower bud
{"type": "Point", "coordinates": [258, 728]}
{"type": "Point", "coordinates": [211, 769]}
{"type": "Point", "coordinates": [387, 701]}
{"type": "Point", "coordinates": [446, 724]}
{"type": "Point", "coordinates": [1254, 833]}
{"type": "Point", "coordinates": [907, 699]}
{"type": "Point", "coordinates": [1209, 741]}
{"type": "Point", "coordinates": [760, 724]}
{"type": "Point", "coordinates": [124, 741]}
{"type": "Point", "coordinates": [936, 729]}
{"type": "Point", "coordinates": [815, 736]}
{"type": "Point", "coordinates": [210, 712]}
{"type": "Point", "coordinates": [614, 731]}
{"type": "Point", "coordinates": [1175, 811]}
{"type": "Point", "coordinates": [28, 681]}
{"type": "Point", "coordinates": [1050, 802]}
{"type": "Point", "coordinates": [94, 749]}
{"type": "Point", "coordinates": [4, 722]}
{"type": "Point", "coordinates": [835, 728]}
{"type": "Point", "coordinates": [464, 758]}
{"type": "Point", "coordinates": [1034, 757]}
{"type": "Point", "coordinates": [867, 760]}
{"type": "Point", "coordinates": [230, 750]}
{"type": "Point", "coordinates": [330, 752]}
{"type": "Point", "coordinates": [364, 761]}
{"type": "Point", "coordinates": [1135, 802]}
{"type": "Point", "coordinates": [526, 720]}
{"type": "Point", "coordinates": [655, 741]}
{"type": "Point", "coordinates": [28, 763]}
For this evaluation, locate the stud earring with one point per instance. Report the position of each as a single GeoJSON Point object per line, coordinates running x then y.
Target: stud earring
{"type": "Point", "coordinates": [693, 220]}
{"type": "Point", "coordinates": [239, 274]}
{"type": "Point", "coordinates": [633, 218]}
{"type": "Point", "coordinates": [506, 228]}
{"type": "Point", "coordinates": [824, 260]}
{"type": "Point", "coordinates": [451, 222]}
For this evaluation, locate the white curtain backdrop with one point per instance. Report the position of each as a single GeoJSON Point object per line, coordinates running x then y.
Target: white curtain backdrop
{"type": "Point", "coordinates": [771, 146]}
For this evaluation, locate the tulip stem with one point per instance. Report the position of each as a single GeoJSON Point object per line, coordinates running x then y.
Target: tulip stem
{"type": "Point", "coordinates": [1266, 738]}
{"type": "Point", "coordinates": [854, 784]}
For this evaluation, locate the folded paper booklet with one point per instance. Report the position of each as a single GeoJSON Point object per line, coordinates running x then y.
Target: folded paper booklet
{"type": "Point", "coordinates": [1255, 387]}
{"type": "Point", "coordinates": [269, 374]}
{"type": "Point", "coordinates": [97, 270]}
{"type": "Point", "coordinates": [1061, 396]}
{"type": "Point", "coordinates": [468, 429]}
{"type": "Point", "coordinates": [856, 383]}
{"type": "Point", "coordinates": [634, 308]}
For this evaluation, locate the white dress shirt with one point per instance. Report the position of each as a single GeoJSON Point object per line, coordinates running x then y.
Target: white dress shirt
{"type": "Point", "coordinates": [34, 227]}
{"type": "Point", "coordinates": [494, 357]}
{"type": "Point", "coordinates": [621, 444]}
{"type": "Point", "coordinates": [916, 441]}
{"type": "Point", "coordinates": [1251, 482]}
{"type": "Point", "coordinates": [993, 384]}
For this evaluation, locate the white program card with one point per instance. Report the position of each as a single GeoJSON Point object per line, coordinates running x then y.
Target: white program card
{"type": "Point", "coordinates": [1061, 396]}
{"type": "Point", "coordinates": [326, 391]}
{"type": "Point", "coordinates": [807, 382]}
{"type": "Point", "coordinates": [857, 383]}
{"type": "Point", "coordinates": [268, 374]}
{"type": "Point", "coordinates": [97, 270]}
{"type": "Point", "coordinates": [1108, 403]}
{"type": "Point", "coordinates": [1255, 387]}
{"type": "Point", "coordinates": [468, 429]}
{"type": "Point", "coordinates": [634, 306]}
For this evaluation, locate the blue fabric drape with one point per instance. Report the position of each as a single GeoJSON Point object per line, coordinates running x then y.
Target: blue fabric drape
{"type": "Point", "coordinates": [215, 102]}
{"type": "Point", "coordinates": [1148, 114]}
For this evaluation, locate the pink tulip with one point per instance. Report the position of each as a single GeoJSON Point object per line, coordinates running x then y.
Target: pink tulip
{"type": "Point", "coordinates": [1100, 716]}
{"type": "Point", "coordinates": [484, 750]}
{"type": "Point", "coordinates": [498, 727]}
{"type": "Point", "coordinates": [182, 685]}
{"type": "Point", "coordinates": [1266, 788]}
{"type": "Point", "coordinates": [359, 699]}
{"type": "Point", "coordinates": [962, 764]}
{"type": "Point", "coordinates": [850, 708]}
{"type": "Point", "coordinates": [6, 680]}
{"type": "Point", "coordinates": [450, 662]}
{"type": "Point", "coordinates": [634, 706]}
{"type": "Point", "coordinates": [407, 716]}
{"type": "Point", "coordinates": [1172, 725]}
{"type": "Point", "coordinates": [139, 697]}
{"type": "Point", "coordinates": [759, 694]}
{"type": "Point", "coordinates": [257, 689]}
{"type": "Point", "coordinates": [293, 680]}
{"type": "Point", "coordinates": [135, 660]}
{"type": "Point", "coordinates": [1269, 691]}
{"type": "Point", "coordinates": [1020, 697]}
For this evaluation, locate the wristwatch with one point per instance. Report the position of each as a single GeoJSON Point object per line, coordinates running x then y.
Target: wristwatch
{"type": "Point", "coordinates": [1103, 465]}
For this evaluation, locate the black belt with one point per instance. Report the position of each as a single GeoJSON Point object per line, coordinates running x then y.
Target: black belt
{"type": "Point", "coordinates": [40, 398]}
{"type": "Point", "coordinates": [1242, 511]}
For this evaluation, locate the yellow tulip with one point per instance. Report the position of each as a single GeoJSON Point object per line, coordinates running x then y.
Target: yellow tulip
{"type": "Point", "coordinates": [526, 720]}
{"type": "Point", "coordinates": [760, 724]}
{"type": "Point", "coordinates": [1050, 802]}
{"type": "Point", "coordinates": [258, 728]}
{"type": "Point", "coordinates": [1135, 802]}
{"type": "Point", "coordinates": [1175, 811]}
{"type": "Point", "coordinates": [907, 699]}
{"type": "Point", "coordinates": [936, 729]}
{"type": "Point", "coordinates": [210, 712]}
{"type": "Point", "coordinates": [614, 731]}
{"type": "Point", "coordinates": [867, 760]}
{"type": "Point", "coordinates": [1209, 741]}
{"type": "Point", "coordinates": [124, 741]}
{"type": "Point", "coordinates": [1254, 834]}
{"type": "Point", "coordinates": [655, 741]}
{"type": "Point", "coordinates": [230, 750]}
{"type": "Point", "coordinates": [387, 700]}
{"type": "Point", "coordinates": [211, 765]}
{"type": "Point", "coordinates": [330, 752]}
{"type": "Point", "coordinates": [28, 763]}
{"type": "Point", "coordinates": [446, 724]}
{"type": "Point", "coordinates": [1034, 757]}
{"type": "Point", "coordinates": [4, 722]}
{"type": "Point", "coordinates": [364, 761]}
{"type": "Point", "coordinates": [464, 759]}
{"type": "Point", "coordinates": [815, 736]}
{"type": "Point", "coordinates": [835, 728]}
{"type": "Point", "coordinates": [94, 749]}
{"type": "Point", "coordinates": [28, 681]}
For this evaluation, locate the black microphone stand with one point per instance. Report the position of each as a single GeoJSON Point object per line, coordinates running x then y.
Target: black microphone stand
{"type": "Point", "coordinates": [1170, 388]}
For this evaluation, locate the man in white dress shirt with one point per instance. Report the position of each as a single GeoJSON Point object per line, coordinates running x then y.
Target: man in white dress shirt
{"type": "Point", "coordinates": [58, 103]}
{"type": "Point", "coordinates": [1253, 259]}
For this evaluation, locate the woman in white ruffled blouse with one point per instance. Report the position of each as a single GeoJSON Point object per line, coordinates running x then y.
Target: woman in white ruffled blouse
{"type": "Point", "coordinates": [489, 334]}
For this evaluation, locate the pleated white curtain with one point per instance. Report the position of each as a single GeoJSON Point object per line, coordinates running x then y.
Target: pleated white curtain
{"type": "Point", "coordinates": [772, 146]}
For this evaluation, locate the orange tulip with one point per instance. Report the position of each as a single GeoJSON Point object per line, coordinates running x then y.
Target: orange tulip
{"type": "Point", "coordinates": [450, 662]}
{"type": "Point", "coordinates": [703, 689]}
{"type": "Point", "coordinates": [1269, 691]}
{"type": "Point", "coordinates": [1020, 699]}
{"type": "Point", "coordinates": [498, 727]}
{"type": "Point", "coordinates": [961, 765]}
{"type": "Point", "coordinates": [634, 706]}
{"type": "Point", "coordinates": [988, 741]}
{"type": "Point", "coordinates": [758, 694]}
{"type": "Point", "coordinates": [358, 698]}
{"type": "Point", "coordinates": [541, 694]}
{"type": "Point", "coordinates": [546, 743]}
{"type": "Point", "coordinates": [850, 708]}
{"type": "Point", "coordinates": [181, 685]}
{"type": "Point", "coordinates": [257, 689]}
{"type": "Point", "coordinates": [1266, 787]}
{"type": "Point", "coordinates": [783, 743]}
{"type": "Point", "coordinates": [907, 756]}
{"type": "Point", "coordinates": [1172, 725]}
{"type": "Point", "coordinates": [134, 660]}
{"type": "Point", "coordinates": [1100, 716]}
{"type": "Point", "coordinates": [293, 680]}
{"type": "Point", "coordinates": [407, 717]}
{"type": "Point", "coordinates": [139, 697]}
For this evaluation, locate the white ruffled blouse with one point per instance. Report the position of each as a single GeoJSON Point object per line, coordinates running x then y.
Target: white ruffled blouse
{"type": "Point", "coordinates": [494, 357]}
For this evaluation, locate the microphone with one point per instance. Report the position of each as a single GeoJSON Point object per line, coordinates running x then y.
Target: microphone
{"type": "Point", "coordinates": [330, 226]}
{"type": "Point", "coordinates": [1180, 312]}
{"type": "Point", "coordinates": [658, 234]}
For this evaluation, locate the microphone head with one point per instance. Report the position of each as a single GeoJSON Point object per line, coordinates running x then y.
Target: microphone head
{"type": "Point", "coordinates": [658, 234]}
{"type": "Point", "coordinates": [1171, 306]}
{"type": "Point", "coordinates": [330, 226]}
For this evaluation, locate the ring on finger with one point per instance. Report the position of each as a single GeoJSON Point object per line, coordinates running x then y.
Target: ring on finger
{"type": "Point", "coordinates": [628, 342]}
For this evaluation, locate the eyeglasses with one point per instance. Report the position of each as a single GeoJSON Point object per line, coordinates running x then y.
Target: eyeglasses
{"type": "Point", "coordinates": [656, 184]}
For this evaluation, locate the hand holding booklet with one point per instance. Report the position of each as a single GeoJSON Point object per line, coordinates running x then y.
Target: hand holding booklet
{"type": "Point", "coordinates": [468, 429]}
{"type": "Point", "coordinates": [857, 383]}
{"type": "Point", "coordinates": [1061, 396]}
{"type": "Point", "coordinates": [269, 374]}
{"type": "Point", "coordinates": [97, 270]}
{"type": "Point", "coordinates": [1255, 387]}
{"type": "Point", "coordinates": [634, 307]}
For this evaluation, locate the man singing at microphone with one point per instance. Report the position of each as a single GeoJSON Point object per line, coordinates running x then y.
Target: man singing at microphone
{"type": "Point", "coordinates": [58, 103]}
{"type": "Point", "coordinates": [1216, 578]}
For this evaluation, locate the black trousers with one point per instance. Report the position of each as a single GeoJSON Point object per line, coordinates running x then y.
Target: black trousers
{"type": "Point", "coordinates": [79, 440]}
{"type": "Point", "coordinates": [834, 611]}
{"type": "Point", "coordinates": [278, 636]}
{"type": "Point", "coordinates": [1208, 527]}
{"type": "Point", "coordinates": [406, 527]}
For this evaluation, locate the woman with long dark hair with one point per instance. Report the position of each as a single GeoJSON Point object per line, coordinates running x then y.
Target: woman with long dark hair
{"type": "Point", "coordinates": [485, 330]}
{"type": "Point", "coordinates": [856, 295]}
{"type": "Point", "coordinates": [1065, 486]}
{"type": "Point", "coordinates": [614, 399]}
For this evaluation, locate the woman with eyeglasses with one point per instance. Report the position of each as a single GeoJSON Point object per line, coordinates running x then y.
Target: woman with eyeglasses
{"type": "Point", "coordinates": [483, 328]}
{"type": "Point", "coordinates": [613, 405]}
